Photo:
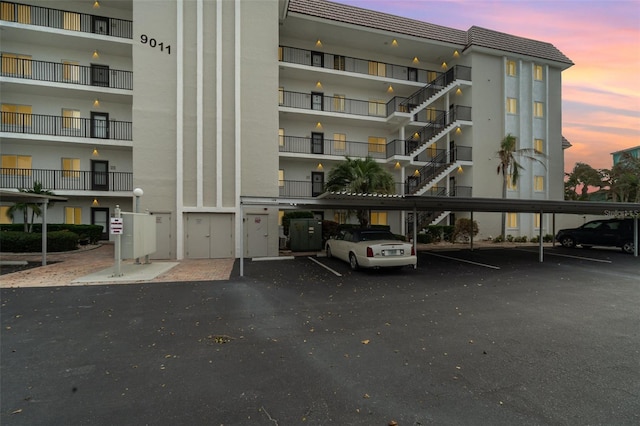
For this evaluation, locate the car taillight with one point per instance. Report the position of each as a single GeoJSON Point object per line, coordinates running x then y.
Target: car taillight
{"type": "Point", "coordinates": [413, 251]}
{"type": "Point", "coordinates": [369, 252]}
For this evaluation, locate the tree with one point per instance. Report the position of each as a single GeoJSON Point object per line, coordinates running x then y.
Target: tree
{"type": "Point", "coordinates": [25, 207]}
{"type": "Point", "coordinates": [584, 176]}
{"type": "Point", "coordinates": [624, 179]}
{"type": "Point", "coordinates": [360, 176]}
{"type": "Point", "coordinates": [509, 166]}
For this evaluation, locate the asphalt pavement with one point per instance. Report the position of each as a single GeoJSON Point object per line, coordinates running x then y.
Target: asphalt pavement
{"type": "Point", "coordinates": [489, 337]}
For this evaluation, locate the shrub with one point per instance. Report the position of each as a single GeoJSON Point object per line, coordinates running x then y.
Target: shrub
{"type": "Point", "coordinates": [535, 239]}
{"type": "Point", "coordinates": [498, 239]}
{"type": "Point", "coordinates": [510, 238]}
{"type": "Point", "coordinates": [31, 242]}
{"type": "Point", "coordinates": [522, 239]}
{"type": "Point", "coordinates": [424, 238]}
{"type": "Point", "coordinates": [91, 232]}
{"type": "Point", "coordinates": [464, 229]}
{"type": "Point", "coordinates": [439, 232]}
{"type": "Point", "coordinates": [547, 238]}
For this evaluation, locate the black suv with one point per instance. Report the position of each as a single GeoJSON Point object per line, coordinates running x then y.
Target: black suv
{"type": "Point", "coordinates": [603, 232]}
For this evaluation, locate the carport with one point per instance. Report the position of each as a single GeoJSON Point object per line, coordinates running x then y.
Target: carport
{"type": "Point", "coordinates": [30, 198]}
{"type": "Point", "coordinates": [410, 203]}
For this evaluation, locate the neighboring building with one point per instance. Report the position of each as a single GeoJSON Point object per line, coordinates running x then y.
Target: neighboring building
{"type": "Point", "coordinates": [263, 98]}
{"type": "Point", "coordinates": [634, 152]}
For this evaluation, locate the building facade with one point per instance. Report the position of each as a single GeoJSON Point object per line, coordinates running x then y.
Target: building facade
{"type": "Point", "coordinates": [262, 98]}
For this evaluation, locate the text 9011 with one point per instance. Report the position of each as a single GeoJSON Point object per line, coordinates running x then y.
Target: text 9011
{"type": "Point", "coordinates": [152, 42]}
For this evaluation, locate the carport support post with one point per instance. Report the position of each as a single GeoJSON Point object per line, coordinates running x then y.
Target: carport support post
{"type": "Point", "coordinates": [540, 237]}
{"type": "Point", "coordinates": [471, 239]}
{"type": "Point", "coordinates": [415, 232]}
{"type": "Point", "coordinates": [241, 240]}
{"type": "Point", "coordinates": [635, 236]}
{"type": "Point", "coordinates": [553, 231]}
{"type": "Point", "coordinates": [45, 204]}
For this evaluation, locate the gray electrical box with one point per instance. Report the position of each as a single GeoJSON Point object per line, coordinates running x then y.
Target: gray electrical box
{"type": "Point", "coordinates": [305, 234]}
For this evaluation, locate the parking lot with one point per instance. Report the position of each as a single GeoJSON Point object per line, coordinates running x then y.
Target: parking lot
{"type": "Point", "coordinates": [485, 337]}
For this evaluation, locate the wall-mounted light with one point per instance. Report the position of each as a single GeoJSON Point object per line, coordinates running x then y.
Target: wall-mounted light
{"type": "Point", "coordinates": [460, 169]}
{"type": "Point", "coordinates": [96, 102]}
{"type": "Point", "coordinates": [95, 202]}
{"type": "Point", "coordinates": [318, 125]}
{"type": "Point", "coordinates": [319, 166]}
{"type": "Point", "coordinates": [444, 65]}
{"type": "Point", "coordinates": [390, 89]}
{"type": "Point", "coordinates": [95, 152]}
{"type": "Point", "coordinates": [456, 54]}
{"type": "Point", "coordinates": [459, 91]}
{"type": "Point", "coordinates": [394, 42]}
{"type": "Point", "coordinates": [458, 130]}
{"type": "Point", "coordinates": [318, 43]}
{"type": "Point", "coordinates": [416, 135]}
{"type": "Point", "coordinates": [319, 85]}
{"type": "Point", "coordinates": [95, 55]}
{"type": "Point", "coordinates": [96, 5]}
{"type": "Point", "coordinates": [415, 60]}
{"type": "Point", "coordinates": [397, 166]}
{"type": "Point", "coordinates": [416, 173]}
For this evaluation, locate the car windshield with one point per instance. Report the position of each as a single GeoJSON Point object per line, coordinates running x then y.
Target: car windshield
{"type": "Point", "coordinates": [375, 235]}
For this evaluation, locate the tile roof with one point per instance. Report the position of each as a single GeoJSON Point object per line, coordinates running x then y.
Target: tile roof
{"type": "Point", "coordinates": [475, 36]}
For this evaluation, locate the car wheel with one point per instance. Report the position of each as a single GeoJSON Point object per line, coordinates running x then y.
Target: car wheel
{"type": "Point", "coordinates": [628, 247]}
{"type": "Point", "coordinates": [568, 242]}
{"type": "Point", "coordinates": [328, 252]}
{"type": "Point", "coordinates": [353, 262]}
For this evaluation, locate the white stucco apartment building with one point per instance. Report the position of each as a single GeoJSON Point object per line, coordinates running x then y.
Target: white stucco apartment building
{"type": "Point", "coordinates": [202, 102]}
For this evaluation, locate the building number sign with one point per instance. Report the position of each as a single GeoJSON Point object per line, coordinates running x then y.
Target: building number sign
{"type": "Point", "coordinates": [152, 42]}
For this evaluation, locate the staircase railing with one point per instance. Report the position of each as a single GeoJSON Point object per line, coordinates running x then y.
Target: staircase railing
{"type": "Point", "coordinates": [458, 72]}
{"type": "Point", "coordinates": [435, 166]}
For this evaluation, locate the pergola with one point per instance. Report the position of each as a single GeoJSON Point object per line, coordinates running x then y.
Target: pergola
{"type": "Point", "coordinates": [410, 203]}
{"type": "Point", "coordinates": [30, 198]}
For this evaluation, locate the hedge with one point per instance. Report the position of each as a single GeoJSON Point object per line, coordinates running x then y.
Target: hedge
{"type": "Point", "coordinates": [92, 232]}
{"type": "Point", "coordinates": [30, 242]}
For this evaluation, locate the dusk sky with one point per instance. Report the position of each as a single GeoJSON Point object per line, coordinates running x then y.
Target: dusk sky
{"type": "Point", "coordinates": [601, 92]}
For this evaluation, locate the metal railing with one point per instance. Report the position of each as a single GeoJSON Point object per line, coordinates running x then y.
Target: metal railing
{"type": "Point", "coordinates": [301, 189]}
{"type": "Point", "coordinates": [435, 166]}
{"type": "Point", "coordinates": [65, 20]}
{"type": "Point", "coordinates": [321, 102]}
{"type": "Point", "coordinates": [310, 145]}
{"type": "Point", "coordinates": [66, 73]}
{"type": "Point", "coordinates": [51, 125]}
{"type": "Point", "coordinates": [437, 123]}
{"type": "Point", "coordinates": [66, 180]}
{"type": "Point", "coordinates": [424, 218]}
{"type": "Point", "coordinates": [349, 64]}
{"type": "Point", "coordinates": [458, 72]}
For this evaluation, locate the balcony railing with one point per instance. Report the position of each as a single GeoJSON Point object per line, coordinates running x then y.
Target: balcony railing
{"type": "Point", "coordinates": [66, 180]}
{"type": "Point", "coordinates": [51, 125]}
{"type": "Point", "coordinates": [321, 102]}
{"type": "Point", "coordinates": [321, 146]}
{"type": "Point", "coordinates": [349, 64]}
{"type": "Point", "coordinates": [57, 72]}
{"type": "Point", "coordinates": [65, 20]}
{"type": "Point", "coordinates": [301, 189]}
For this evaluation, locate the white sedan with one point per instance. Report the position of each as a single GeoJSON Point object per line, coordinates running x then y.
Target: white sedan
{"type": "Point", "coordinates": [371, 248]}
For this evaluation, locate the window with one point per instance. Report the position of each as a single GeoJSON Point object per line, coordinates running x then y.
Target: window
{"type": "Point", "coordinates": [338, 62]}
{"type": "Point", "coordinates": [71, 21]}
{"type": "Point", "coordinates": [538, 73]}
{"type": "Point", "coordinates": [512, 105]}
{"type": "Point", "coordinates": [70, 119]}
{"type": "Point", "coordinates": [8, 13]}
{"type": "Point", "coordinates": [538, 145]}
{"type": "Point", "coordinates": [378, 218]}
{"type": "Point", "coordinates": [281, 137]}
{"type": "Point", "coordinates": [281, 95]}
{"type": "Point", "coordinates": [377, 68]}
{"type": "Point", "coordinates": [339, 141]}
{"type": "Point", "coordinates": [431, 151]}
{"type": "Point", "coordinates": [70, 71]}
{"type": "Point", "coordinates": [538, 183]}
{"type": "Point", "coordinates": [512, 68]}
{"type": "Point", "coordinates": [512, 220]}
{"type": "Point", "coordinates": [536, 220]}
{"type": "Point", "coordinates": [16, 115]}
{"type": "Point", "coordinates": [431, 76]}
{"type": "Point", "coordinates": [280, 53]}
{"type": "Point", "coordinates": [340, 216]}
{"type": "Point", "coordinates": [432, 114]}
{"type": "Point", "coordinates": [538, 109]}
{"type": "Point", "coordinates": [510, 184]}
{"type": "Point", "coordinates": [4, 216]}
{"type": "Point", "coordinates": [338, 103]}
{"type": "Point", "coordinates": [281, 178]}
{"type": "Point", "coordinates": [377, 107]}
{"type": "Point", "coordinates": [71, 167]}
{"type": "Point", "coordinates": [16, 65]}
{"type": "Point", "coordinates": [73, 215]}
{"type": "Point", "coordinates": [17, 165]}
{"type": "Point", "coordinates": [377, 144]}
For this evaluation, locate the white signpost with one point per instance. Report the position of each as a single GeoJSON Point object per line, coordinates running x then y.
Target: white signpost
{"type": "Point", "coordinates": [115, 228]}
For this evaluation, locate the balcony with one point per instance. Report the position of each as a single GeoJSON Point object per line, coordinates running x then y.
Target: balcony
{"type": "Point", "coordinates": [98, 127]}
{"type": "Point", "coordinates": [307, 189]}
{"type": "Point", "coordinates": [349, 64]}
{"type": "Point", "coordinates": [65, 20]}
{"type": "Point", "coordinates": [320, 102]}
{"type": "Point", "coordinates": [320, 146]}
{"type": "Point", "coordinates": [66, 180]}
{"type": "Point", "coordinates": [95, 75]}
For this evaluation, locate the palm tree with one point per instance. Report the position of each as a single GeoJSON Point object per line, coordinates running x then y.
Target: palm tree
{"type": "Point", "coordinates": [360, 176]}
{"type": "Point", "coordinates": [509, 166]}
{"type": "Point", "coordinates": [25, 207]}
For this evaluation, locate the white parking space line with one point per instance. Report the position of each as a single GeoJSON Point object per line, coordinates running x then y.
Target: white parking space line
{"type": "Point", "coordinates": [463, 260]}
{"type": "Point", "coordinates": [325, 266]}
{"type": "Point", "coordinates": [546, 253]}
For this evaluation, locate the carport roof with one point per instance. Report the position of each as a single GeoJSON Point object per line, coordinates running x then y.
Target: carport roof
{"type": "Point", "coordinates": [345, 200]}
{"type": "Point", "coordinates": [28, 197]}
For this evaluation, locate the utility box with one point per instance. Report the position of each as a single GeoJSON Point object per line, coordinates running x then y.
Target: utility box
{"type": "Point", "coordinates": [305, 234]}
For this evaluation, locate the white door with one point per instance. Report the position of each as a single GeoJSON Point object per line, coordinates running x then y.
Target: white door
{"type": "Point", "coordinates": [257, 235]}
{"type": "Point", "coordinates": [209, 236]}
{"type": "Point", "coordinates": [164, 240]}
